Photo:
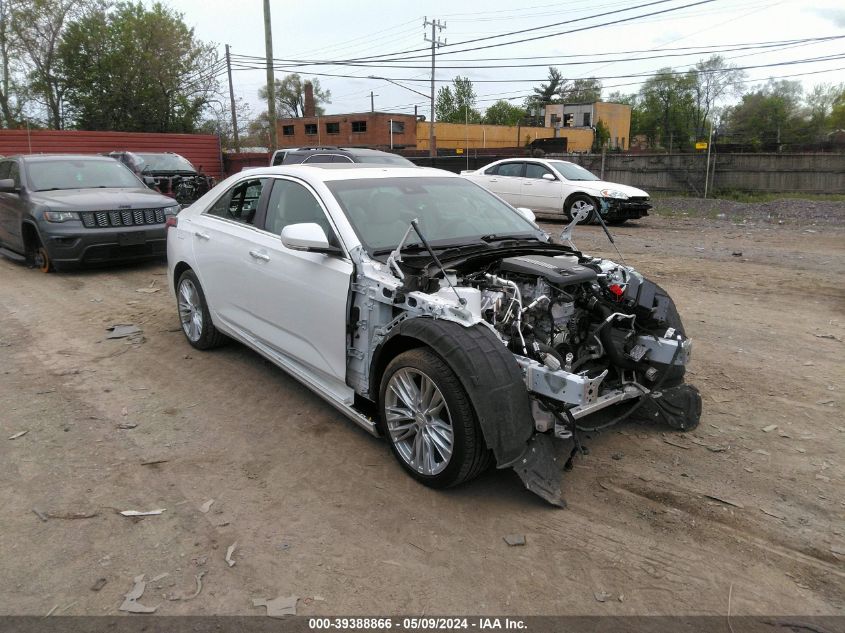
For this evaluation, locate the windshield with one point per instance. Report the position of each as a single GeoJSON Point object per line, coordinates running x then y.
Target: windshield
{"type": "Point", "coordinates": [450, 211]}
{"type": "Point", "coordinates": [48, 175]}
{"type": "Point", "coordinates": [384, 159]}
{"type": "Point", "coordinates": [571, 171]}
{"type": "Point", "coordinates": [164, 162]}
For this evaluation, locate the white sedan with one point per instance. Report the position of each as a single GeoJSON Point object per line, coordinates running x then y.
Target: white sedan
{"type": "Point", "coordinates": [429, 311]}
{"type": "Point", "coordinates": [557, 188]}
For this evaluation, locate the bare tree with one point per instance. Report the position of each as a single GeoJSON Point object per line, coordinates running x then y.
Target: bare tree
{"type": "Point", "coordinates": [712, 81]}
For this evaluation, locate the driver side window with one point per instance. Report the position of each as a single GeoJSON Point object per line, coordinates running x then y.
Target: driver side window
{"type": "Point", "coordinates": [240, 202]}
{"type": "Point", "coordinates": [513, 170]}
{"type": "Point", "coordinates": [291, 203]}
{"type": "Point", "coordinates": [535, 170]}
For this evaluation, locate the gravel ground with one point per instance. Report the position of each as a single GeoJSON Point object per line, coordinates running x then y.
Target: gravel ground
{"type": "Point", "coordinates": [785, 211]}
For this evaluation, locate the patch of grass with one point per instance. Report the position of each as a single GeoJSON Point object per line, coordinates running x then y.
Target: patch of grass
{"type": "Point", "coordinates": [754, 196]}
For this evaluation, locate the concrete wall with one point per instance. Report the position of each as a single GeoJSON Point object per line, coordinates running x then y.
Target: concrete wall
{"type": "Point", "coordinates": [203, 150]}
{"type": "Point", "coordinates": [376, 135]}
{"type": "Point", "coordinates": [776, 173]}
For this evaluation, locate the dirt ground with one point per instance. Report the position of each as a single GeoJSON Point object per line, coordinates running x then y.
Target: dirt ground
{"type": "Point", "coordinates": [748, 508]}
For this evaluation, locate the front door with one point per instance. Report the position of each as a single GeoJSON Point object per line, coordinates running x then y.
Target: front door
{"type": "Point", "coordinates": [298, 300]}
{"type": "Point", "coordinates": [538, 193]}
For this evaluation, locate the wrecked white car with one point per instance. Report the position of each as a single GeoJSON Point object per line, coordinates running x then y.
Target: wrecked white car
{"type": "Point", "coordinates": [430, 312]}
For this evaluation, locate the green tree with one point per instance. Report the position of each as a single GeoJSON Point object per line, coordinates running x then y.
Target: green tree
{"type": "Point", "coordinates": [836, 119]}
{"type": "Point", "coordinates": [666, 107]}
{"type": "Point", "coordinates": [602, 136]}
{"type": "Point", "coordinates": [136, 69]}
{"type": "Point", "coordinates": [712, 80]}
{"type": "Point", "coordinates": [503, 113]}
{"type": "Point", "coordinates": [290, 96]}
{"type": "Point", "coordinates": [769, 116]}
{"type": "Point", "coordinates": [581, 91]}
{"type": "Point", "coordinates": [546, 93]}
{"type": "Point", "coordinates": [456, 104]}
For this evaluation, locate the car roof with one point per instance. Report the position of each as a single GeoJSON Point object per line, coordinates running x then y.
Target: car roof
{"type": "Point", "coordinates": [350, 171]}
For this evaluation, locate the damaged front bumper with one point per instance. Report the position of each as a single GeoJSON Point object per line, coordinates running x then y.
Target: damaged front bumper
{"type": "Point", "coordinates": [630, 209]}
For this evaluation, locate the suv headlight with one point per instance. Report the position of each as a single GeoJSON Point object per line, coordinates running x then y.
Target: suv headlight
{"type": "Point", "coordinates": [614, 193]}
{"type": "Point", "coordinates": [172, 210]}
{"type": "Point", "coordinates": [60, 216]}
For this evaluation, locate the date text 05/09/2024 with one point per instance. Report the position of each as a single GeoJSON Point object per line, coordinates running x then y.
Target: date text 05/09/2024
{"type": "Point", "coordinates": [416, 623]}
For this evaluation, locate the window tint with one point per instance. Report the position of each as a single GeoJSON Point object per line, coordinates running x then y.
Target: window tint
{"type": "Point", "coordinates": [4, 169]}
{"type": "Point", "coordinates": [492, 171]}
{"type": "Point", "coordinates": [278, 158]}
{"type": "Point", "coordinates": [319, 158]}
{"type": "Point", "coordinates": [240, 202]}
{"type": "Point", "coordinates": [510, 169]}
{"type": "Point", "coordinates": [291, 203]}
{"type": "Point", "coordinates": [535, 170]}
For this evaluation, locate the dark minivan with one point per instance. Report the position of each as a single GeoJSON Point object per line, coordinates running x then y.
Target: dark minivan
{"type": "Point", "coordinates": [59, 210]}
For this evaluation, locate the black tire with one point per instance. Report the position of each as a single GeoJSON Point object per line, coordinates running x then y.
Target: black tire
{"type": "Point", "coordinates": [209, 336]}
{"type": "Point", "coordinates": [470, 455]}
{"type": "Point", "coordinates": [580, 198]}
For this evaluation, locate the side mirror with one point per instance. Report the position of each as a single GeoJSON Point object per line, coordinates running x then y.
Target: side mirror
{"type": "Point", "coordinates": [307, 236]}
{"type": "Point", "coordinates": [548, 176]}
{"type": "Point", "coordinates": [528, 214]}
{"type": "Point", "coordinates": [7, 185]}
{"type": "Point", "coordinates": [150, 181]}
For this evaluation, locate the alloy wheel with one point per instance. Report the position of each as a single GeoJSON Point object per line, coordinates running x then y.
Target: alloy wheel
{"type": "Point", "coordinates": [418, 421]}
{"type": "Point", "coordinates": [190, 310]}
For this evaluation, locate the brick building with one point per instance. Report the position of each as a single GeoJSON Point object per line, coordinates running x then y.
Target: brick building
{"type": "Point", "coordinates": [365, 129]}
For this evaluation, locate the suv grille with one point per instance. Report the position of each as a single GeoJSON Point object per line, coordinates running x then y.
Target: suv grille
{"type": "Point", "coordinates": [122, 217]}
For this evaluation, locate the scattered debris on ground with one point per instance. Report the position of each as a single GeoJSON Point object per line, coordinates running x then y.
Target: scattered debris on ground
{"type": "Point", "coordinates": [231, 550]}
{"type": "Point", "coordinates": [278, 607]}
{"type": "Point", "coordinates": [99, 584]}
{"type": "Point", "coordinates": [514, 540]}
{"type": "Point", "coordinates": [123, 330]}
{"type": "Point", "coordinates": [18, 434]}
{"type": "Point", "coordinates": [130, 600]}
{"type": "Point", "coordinates": [204, 508]}
{"type": "Point", "coordinates": [198, 580]}
{"type": "Point", "coordinates": [139, 513]}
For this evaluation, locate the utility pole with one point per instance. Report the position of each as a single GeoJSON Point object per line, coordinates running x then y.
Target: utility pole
{"type": "Point", "coordinates": [372, 102]}
{"type": "Point", "coordinates": [271, 88]}
{"type": "Point", "coordinates": [707, 169]}
{"type": "Point", "coordinates": [232, 102]}
{"type": "Point", "coordinates": [436, 27]}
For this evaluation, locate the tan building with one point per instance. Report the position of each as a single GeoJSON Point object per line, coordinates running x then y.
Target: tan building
{"type": "Point", "coordinates": [616, 116]}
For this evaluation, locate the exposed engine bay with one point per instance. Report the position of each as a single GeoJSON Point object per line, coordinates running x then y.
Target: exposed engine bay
{"type": "Point", "coordinates": [588, 335]}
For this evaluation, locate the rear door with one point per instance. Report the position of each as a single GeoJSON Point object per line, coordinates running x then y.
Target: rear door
{"type": "Point", "coordinates": [13, 208]}
{"type": "Point", "coordinates": [223, 237]}
{"type": "Point", "coordinates": [507, 181]}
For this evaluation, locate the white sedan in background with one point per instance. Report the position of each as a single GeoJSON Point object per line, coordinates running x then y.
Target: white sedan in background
{"type": "Point", "coordinates": [557, 188]}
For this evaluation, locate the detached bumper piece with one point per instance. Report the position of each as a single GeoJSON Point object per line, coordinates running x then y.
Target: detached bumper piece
{"type": "Point", "coordinates": [678, 407]}
{"type": "Point", "coordinates": [541, 470]}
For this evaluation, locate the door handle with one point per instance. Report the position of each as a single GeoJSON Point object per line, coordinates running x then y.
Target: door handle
{"type": "Point", "coordinates": [494, 180]}
{"type": "Point", "coordinates": [264, 257]}
{"type": "Point", "coordinates": [527, 184]}
{"type": "Point", "coordinates": [202, 236]}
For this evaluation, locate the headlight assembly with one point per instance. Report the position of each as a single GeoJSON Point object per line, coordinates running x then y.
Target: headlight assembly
{"type": "Point", "coordinates": [172, 210]}
{"type": "Point", "coordinates": [60, 216]}
{"type": "Point", "coordinates": [614, 193]}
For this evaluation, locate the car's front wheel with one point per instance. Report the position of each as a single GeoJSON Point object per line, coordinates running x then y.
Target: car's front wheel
{"type": "Point", "coordinates": [429, 421]}
{"type": "Point", "coordinates": [194, 314]}
{"type": "Point", "coordinates": [578, 202]}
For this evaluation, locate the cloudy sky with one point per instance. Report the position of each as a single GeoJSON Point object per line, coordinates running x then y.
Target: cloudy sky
{"type": "Point", "coordinates": [344, 30]}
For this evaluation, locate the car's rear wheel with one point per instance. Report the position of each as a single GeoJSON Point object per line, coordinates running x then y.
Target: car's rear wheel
{"type": "Point", "coordinates": [194, 314]}
{"type": "Point", "coordinates": [578, 202]}
{"type": "Point", "coordinates": [429, 421]}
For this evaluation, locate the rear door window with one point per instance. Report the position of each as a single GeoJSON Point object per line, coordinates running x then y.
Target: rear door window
{"type": "Point", "coordinates": [240, 203]}
{"type": "Point", "coordinates": [513, 170]}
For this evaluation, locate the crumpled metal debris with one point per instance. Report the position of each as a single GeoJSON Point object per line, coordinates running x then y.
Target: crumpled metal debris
{"type": "Point", "coordinates": [130, 602]}
{"type": "Point", "coordinates": [231, 550]}
{"type": "Point", "coordinates": [278, 607]}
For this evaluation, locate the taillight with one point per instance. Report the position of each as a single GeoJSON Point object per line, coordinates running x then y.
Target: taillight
{"type": "Point", "coordinates": [171, 221]}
